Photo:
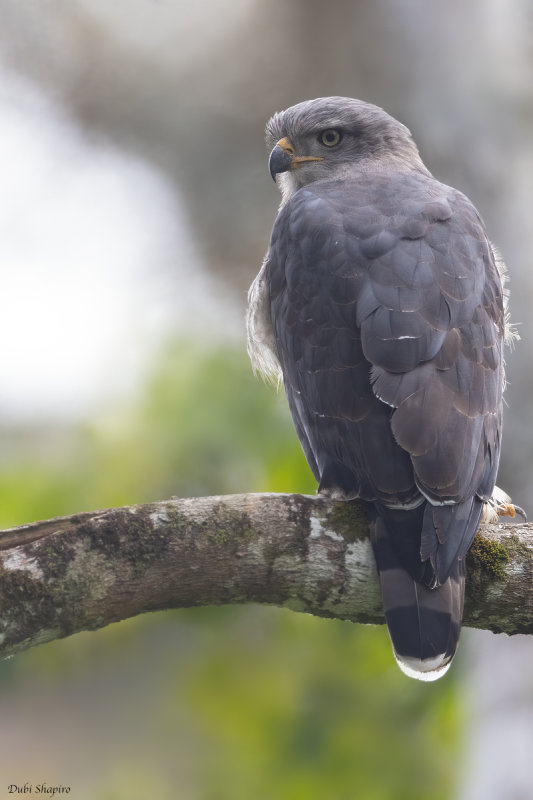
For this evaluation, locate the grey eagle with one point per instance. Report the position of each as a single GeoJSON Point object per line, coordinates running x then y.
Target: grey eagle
{"type": "Point", "coordinates": [380, 303]}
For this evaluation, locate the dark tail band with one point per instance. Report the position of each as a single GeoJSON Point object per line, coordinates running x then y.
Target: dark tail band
{"type": "Point", "coordinates": [424, 624]}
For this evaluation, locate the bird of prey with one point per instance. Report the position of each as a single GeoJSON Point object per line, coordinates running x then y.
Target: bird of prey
{"type": "Point", "coordinates": [380, 304]}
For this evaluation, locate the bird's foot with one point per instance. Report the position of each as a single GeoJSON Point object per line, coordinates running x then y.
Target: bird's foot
{"type": "Point", "coordinates": [510, 510]}
{"type": "Point", "coordinates": [500, 505]}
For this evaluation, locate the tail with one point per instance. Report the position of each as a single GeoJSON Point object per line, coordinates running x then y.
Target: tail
{"type": "Point", "coordinates": [424, 624]}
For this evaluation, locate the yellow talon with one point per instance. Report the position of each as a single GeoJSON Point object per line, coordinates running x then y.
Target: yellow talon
{"type": "Point", "coordinates": [506, 510]}
{"type": "Point", "coordinates": [510, 510]}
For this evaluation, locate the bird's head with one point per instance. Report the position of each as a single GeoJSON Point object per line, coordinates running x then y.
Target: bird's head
{"type": "Point", "coordinates": [329, 136]}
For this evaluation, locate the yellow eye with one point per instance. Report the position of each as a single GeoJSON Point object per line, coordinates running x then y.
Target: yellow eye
{"type": "Point", "coordinates": [330, 137]}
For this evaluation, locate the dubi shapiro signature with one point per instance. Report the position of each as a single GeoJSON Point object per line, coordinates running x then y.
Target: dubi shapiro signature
{"type": "Point", "coordinates": [39, 788]}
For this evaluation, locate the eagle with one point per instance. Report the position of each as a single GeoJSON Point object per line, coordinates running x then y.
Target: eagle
{"type": "Point", "coordinates": [381, 306]}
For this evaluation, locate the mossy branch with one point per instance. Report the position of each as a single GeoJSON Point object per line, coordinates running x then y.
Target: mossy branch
{"type": "Point", "coordinates": [306, 553]}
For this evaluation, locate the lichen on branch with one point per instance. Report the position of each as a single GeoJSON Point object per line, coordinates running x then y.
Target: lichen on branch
{"type": "Point", "coordinates": [306, 553]}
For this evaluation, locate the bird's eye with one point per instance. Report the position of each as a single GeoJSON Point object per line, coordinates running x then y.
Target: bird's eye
{"type": "Point", "coordinates": [330, 137]}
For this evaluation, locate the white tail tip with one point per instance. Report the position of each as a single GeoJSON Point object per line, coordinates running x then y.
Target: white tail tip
{"type": "Point", "coordinates": [428, 669]}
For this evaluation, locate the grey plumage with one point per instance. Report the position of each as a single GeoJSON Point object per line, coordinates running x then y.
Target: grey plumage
{"type": "Point", "coordinates": [380, 303]}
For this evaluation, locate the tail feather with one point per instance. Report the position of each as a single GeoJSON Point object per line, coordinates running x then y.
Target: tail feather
{"type": "Point", "coordinates": [424, 624]}
{"type": "Point", "coordinates": [447, 533]}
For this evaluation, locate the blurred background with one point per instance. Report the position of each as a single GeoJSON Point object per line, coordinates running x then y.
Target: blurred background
{"type": "Point", "coordinates": [135, 208]}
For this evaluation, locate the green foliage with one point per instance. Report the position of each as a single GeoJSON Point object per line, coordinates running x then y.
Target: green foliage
{"type": "Point", "coordinates": [300, 707]}
{"type": "Point", "coordinates": [203, 425]}
{"type": "Point", "coordinates": [228, 703]}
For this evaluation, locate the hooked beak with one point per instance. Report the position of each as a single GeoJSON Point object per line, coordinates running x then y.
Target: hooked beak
{"type": "Point", "coordinates": [283, 158]}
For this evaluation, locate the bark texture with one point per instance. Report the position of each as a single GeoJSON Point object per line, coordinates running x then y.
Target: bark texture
{"type": "Point", "coordinates": [305, 553]}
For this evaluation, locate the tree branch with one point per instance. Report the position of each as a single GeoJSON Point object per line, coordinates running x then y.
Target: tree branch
{"type": "Point", "coordinates": [306, 553]}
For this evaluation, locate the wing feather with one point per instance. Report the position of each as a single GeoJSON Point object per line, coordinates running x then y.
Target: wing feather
{"type": "Point", "coordinates": [387, 313]}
